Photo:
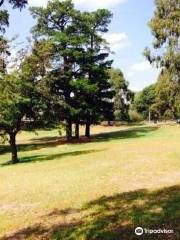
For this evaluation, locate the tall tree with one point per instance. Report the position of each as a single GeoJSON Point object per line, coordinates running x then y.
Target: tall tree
{"type": "Point", "coordinates": [167, 97]}
{"type": "Point", "coordinates": [56, 22]}
{"type": "Point", "coordinates": [165, 27]}
{"type": "Point", "coordinates": [144, 100]}
{"type": "Point", "coordinates": [95, 66]}
{"type": "Point", "coordinates": [14, 104]}
{"type": "Point", "coordinates": [21, 96]}
{"type": "Point", "coordinates": [12, 99]}
{"type": "Point", "coordinates": [123, 96]}
{"type": "Point", "coordinates": [78, 72]}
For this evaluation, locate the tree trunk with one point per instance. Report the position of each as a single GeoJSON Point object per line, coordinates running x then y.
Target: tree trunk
{"type": "Point", "coordinates": [77, 131]}
{"type": "Point", "coordinates": [109, 123]}
{"type": "Point", "coordinates": [69, 130]}
{"type": "Point", "coordinates": [12, 142]}
{"type": "Point", "coordinates": [87, 131]}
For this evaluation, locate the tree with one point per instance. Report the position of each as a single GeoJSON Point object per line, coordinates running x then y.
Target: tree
{"type": "Point", "coordinates": [123, 96]}
{"type": "Point", "coordinates": [144, 100]}
{"type": "Point", "coordinates": [22, 98]}
{"type": "Point", "coordinates": [56, 22]}
{"type": "Point", "coordinates": [35, 71]}
{"type": "Point", "coordinates": [98, 97]}
{"type": "Point", "coordinates": [167, 96]}
{"type": "Point", "coordinates": [78, 76]}
{"type": "Point", "coordinates": [12, 100]}
{"type": "Point", "coordinates": [165, 27]}
{"type": "Point", "coordinates": [160, 100]}
{"type": "Point", "coordinates": [14, 104]}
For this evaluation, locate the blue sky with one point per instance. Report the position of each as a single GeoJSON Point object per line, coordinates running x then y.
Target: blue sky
{"type": "Point", "coordinates": [128, 35]}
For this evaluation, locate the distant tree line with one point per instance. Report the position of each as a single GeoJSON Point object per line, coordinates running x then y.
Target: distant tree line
{"type": "Point", "coordinates": [159, 101]}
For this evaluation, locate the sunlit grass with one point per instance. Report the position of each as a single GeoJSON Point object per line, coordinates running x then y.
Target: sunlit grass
{"type": "Point", "coordinates": [55, 176]}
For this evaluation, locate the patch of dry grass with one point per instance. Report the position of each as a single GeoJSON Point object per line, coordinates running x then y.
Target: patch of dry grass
{"type": "Point", "coordinates": [53, 177]}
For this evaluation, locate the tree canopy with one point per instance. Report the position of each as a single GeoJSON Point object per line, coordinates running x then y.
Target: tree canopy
{"type": "Point", "coordinates": [165, 27]}
{"type": "Point", "coordinates": [123, 95]}
{"type": "Point", "coordinates": [144, 100]}
{"type": "Point", "coordinates": [78, 75]}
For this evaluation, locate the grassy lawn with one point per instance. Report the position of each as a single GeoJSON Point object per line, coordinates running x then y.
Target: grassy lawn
{"type": "Point", "coordinates": [123, 178]}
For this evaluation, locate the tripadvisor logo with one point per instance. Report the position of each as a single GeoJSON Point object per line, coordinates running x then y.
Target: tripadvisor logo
{"type": "Point", "coordinates": [139, 231]}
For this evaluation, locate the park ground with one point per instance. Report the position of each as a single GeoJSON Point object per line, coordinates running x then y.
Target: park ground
{"type": "Point", "coordinates": [96, 190]}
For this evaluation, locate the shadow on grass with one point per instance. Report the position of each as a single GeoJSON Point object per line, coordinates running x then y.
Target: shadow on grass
{"type": "Point", "coordinates": [112, 218]}
{"type": "Point", "coordinates": [38, 143]}
{"type": "Point", "coordinates": [48, 142]}
{"type": "Point", "coordinates": [41, 158]}
{"type": "Point", "coordinates": [124, 134]}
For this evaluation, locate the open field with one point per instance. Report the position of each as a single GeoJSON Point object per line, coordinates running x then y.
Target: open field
{"type": "Point", "coordinates": [123, 178]}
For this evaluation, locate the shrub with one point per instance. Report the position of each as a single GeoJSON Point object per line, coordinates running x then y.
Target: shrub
{"type": "Point", "coordinates": [135, 116]}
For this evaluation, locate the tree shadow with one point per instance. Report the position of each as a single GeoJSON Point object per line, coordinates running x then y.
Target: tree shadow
{"type": "Point", "coordinates": [41, 158]}
{"type": "Point", "coordinates": [137, 132]}
{"type": "Point", "coordinates": [48, 142]}
{"type": "Point", "coordinates": [113, 218]}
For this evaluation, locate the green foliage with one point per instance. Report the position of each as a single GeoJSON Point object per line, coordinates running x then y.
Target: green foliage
{"type": "Point", "coordinates": [13, 102]}
{"type": "Point", "coordinates": [123, 96]}
{"type": "Point", "coordinates": [144, 100]}
{"type": "Point", "coordinates": [162, 99]}
{"type": "Point", "coordinates": [21, 100]}
{"type": "Point", "coordinates": [4, 20]}
{"type": "Point", "coordinates": [167, 96]}
{"type": "Point", "coordinates": [134, 116]}
{"type": "Point", "coordinates": [4, 53]}
{"type": "Point", "coordinates": [165, 27]}
{"type": "Point", "coordinates": [78, 78]}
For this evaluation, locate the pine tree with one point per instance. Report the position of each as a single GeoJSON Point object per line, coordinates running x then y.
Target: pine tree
{"type": "Point", "coordinates": [99, 96]}
{"type": "Point", "coordinates": [78, 73]}
{"type": "Point", "coordinates": [56, 22]}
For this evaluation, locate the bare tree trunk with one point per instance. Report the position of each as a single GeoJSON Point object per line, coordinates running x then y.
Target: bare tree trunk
{"type": "Point", "coordinates": [77, 130]}
{"type": "Point", "coordinates": [12, 142]}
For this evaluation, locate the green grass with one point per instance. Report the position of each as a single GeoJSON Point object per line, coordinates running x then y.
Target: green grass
{"type": "Point", "coordinates": [98, 190]}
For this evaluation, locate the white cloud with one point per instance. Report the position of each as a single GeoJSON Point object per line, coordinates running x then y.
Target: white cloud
{"type": "Point", "coordinates": [95, 4]}
{"type": "Point", "coordinates": [38, 3]}
{"type": "Point", "coordinates": [142, 66]}
{"type": "Point", "coordinates": [141, 75]}
{"type": "Point", "coordinates": [85, 4]}
{"type": "Point", "coordinates": [117, 41]}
